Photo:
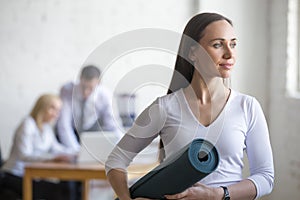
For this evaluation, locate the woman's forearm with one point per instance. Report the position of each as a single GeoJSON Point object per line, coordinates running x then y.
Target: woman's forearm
{"type": "Point", "coordinates": [118, 181]}
{"type": "Point", "coordinates": [242, 190]}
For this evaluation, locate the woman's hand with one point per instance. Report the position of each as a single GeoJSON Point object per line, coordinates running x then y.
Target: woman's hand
{"type": "Point", "coordinates": [197, 192]}
{"type": "Point", "coordinates": [64, 158]}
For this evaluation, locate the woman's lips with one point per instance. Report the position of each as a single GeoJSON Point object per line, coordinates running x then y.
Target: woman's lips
{"type": "Point", "coordinates": [227, 66]}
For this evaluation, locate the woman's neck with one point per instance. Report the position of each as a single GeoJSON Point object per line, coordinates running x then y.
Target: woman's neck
{"type": "Point", "coordinates": [208, 90]}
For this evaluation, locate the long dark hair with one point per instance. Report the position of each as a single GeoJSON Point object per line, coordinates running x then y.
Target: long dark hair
{"type": "Point", "coordinates": [193, 32]}
{"type": "Point", "coordinates": [184, 69]}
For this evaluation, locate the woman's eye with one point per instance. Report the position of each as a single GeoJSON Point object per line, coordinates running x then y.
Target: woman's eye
{"type": "Point", "coordinates": [232, 45]}
{"type": "Point", "coordinates": [217, 45]}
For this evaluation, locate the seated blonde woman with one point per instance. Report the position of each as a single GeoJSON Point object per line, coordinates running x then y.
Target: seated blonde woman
{"type": "Point", "coordinates": [34, 141]}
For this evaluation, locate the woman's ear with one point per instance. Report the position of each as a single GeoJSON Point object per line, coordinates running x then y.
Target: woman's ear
{"type": "Point", "coordinates": [192, 55]}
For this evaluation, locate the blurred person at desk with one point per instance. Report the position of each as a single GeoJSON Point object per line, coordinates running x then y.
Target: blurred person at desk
{"type": "Point", "coordinates": [35, 141]}
{"type": "Point", "coordinates": [87, 106]}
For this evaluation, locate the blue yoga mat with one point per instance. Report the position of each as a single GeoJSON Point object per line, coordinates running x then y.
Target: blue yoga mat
{"type": "Point", "coordinates": [179, 172]}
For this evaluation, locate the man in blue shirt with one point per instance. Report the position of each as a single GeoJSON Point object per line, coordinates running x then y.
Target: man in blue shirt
{"type": "Point", "coordinates": [87, 106]}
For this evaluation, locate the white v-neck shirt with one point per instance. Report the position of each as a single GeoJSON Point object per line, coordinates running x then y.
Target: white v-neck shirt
{"type": "Point", "coordinates": [241, 126]}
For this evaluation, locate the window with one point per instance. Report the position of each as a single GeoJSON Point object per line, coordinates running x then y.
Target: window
{"type": "Point", "coordinates": [298, 43]}
{"type": "Point", "coordinates": [293, 49]}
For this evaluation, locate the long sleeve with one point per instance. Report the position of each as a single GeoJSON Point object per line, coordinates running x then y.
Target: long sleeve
{"type": "Point", "coordinates": [259, 151]}
{"type": "Point", "coordinates": [32, 145]}
{"type": "Point", "coordinates": [27, 144]}
{"type": "Point", "coordinates": [105, 109]}
{"type": "Point", "coordinates": [65, 129]}
{"type": "Point", "coordinates": [108, 117]}
{"type": "Point", "coordinates": [58, 148]}
{"type": "Point", "coordinates": [141, 134]}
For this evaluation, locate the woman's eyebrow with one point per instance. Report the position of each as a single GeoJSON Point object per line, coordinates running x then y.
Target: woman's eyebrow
{"type": "Point", "coordinates": [222, 39]}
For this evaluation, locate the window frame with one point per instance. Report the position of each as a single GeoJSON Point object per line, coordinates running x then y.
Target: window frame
{"type": "Point", "coordinates": [293, 49]}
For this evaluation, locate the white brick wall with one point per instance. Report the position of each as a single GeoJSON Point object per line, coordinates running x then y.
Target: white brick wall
{"type": "Point", "coordinates": [44, 43]}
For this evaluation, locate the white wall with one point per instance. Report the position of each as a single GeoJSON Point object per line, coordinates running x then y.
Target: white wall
{"type": "Point", "coordinates": [44, 44]}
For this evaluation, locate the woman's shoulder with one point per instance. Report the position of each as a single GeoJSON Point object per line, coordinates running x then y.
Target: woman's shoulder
{"type": "Point", "coordinates": [168, 101]}
{"type": "Point", "coordinates": [28, 121]}
{"type": "Point", "coordinates": [236, 95]}
{"type": "Point", "coordinates": [172, 97]}
{"type": "Point", "coordinates": [27, 125]}
{"type": "Point", "coordinates": [243, 99]}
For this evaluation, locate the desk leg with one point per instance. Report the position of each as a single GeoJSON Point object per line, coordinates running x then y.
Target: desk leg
{"type": "Point", "coordinates": [27, 187]}
{"type": "Point", "coordinates": [85, 189]}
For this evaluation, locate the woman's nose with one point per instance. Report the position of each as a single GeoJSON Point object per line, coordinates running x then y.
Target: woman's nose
{"type": "Point", "coordinates": [228, 52]}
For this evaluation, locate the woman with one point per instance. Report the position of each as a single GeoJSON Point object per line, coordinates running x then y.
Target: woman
{"type": "Point", "coordinates": [34, 141]}
{"type": "Point", "coordinates": [201, 105]}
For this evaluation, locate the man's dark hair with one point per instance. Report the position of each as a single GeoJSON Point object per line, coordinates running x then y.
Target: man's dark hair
{"type": "Point", "coordinates": [90, 72]}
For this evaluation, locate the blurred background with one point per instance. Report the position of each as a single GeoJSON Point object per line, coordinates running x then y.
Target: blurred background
{"type": "Point", "coordinates": [43, 44]}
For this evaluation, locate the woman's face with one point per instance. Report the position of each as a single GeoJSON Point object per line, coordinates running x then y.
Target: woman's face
{"type": "Point", "coordinates": [217, 56]}
{"type": "Point", "coordinates": [52, 112]}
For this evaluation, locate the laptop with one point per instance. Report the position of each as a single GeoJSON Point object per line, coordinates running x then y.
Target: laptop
{"type": "Point", "coordinates": [96, 147]}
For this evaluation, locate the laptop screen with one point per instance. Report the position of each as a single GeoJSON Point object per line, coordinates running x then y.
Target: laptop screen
{"type": "Point", "coordinates": [96, 146]}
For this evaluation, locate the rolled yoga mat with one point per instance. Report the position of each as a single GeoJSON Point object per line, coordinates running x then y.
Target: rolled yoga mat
{"type": "Point", "coordinates": [179, 172]}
